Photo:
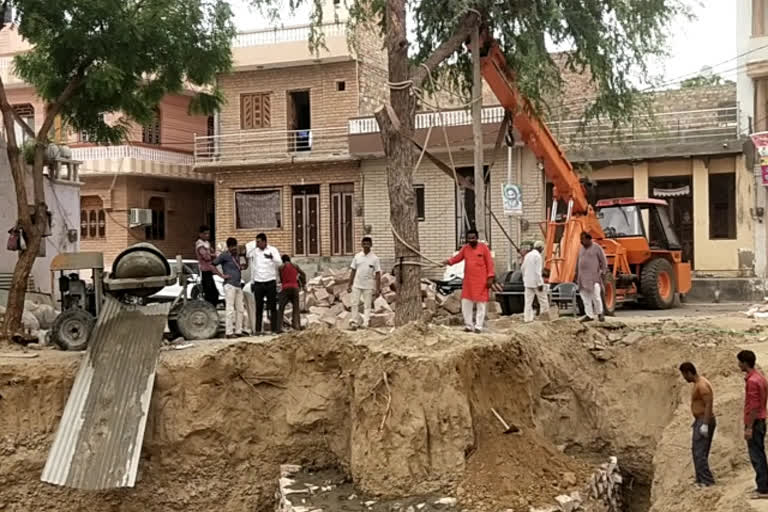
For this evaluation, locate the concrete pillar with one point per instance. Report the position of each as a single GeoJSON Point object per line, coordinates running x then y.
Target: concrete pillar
{"type": "Point", "coordinates": [700, 179]}
{"type": "Point", "coordinates": [760, 225]}
{"type": "Point", "coordinates": [640, 179]}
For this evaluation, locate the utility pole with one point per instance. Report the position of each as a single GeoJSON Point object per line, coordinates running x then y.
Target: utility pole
{"type": "Point", "coordinates": [477, 131]}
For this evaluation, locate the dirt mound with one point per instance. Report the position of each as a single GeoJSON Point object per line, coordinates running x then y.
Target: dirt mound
{"type": "Point", "coordinates": [404, 413]}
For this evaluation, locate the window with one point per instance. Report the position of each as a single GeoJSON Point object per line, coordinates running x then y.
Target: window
{"type": "Point", "coordinates": [27, 113]}
{"type": "Point", "coordinates": [722, 206]}
{"type": "Point", "coordinates": [93, 218]}
{"type": "Point", "coordinates": [150, 133]}
{"type": "Point", "coordinates": [257, 209]}
{"type": "Point", "coordinates": [255, 111]}
{"type": "Point", "coordinates": [157, 230]}
{"type": "Point", "coordinates": [341, 85]}
{"type": "Point", "coordinates": [759, 18]}
{"type": "Point", "coordinates": [420, 205]}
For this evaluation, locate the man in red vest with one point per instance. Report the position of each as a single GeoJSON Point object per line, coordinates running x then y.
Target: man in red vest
{"type": "Point", "coordinates": [479, 274]}
{"type": "Point", "coordinates": [292, 278]}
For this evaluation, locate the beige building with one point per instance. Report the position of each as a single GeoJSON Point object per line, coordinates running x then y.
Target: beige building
{"type": "Point", "coordinates": [689, 153]}
{"type": "Point", "coordinates": [280, 155]}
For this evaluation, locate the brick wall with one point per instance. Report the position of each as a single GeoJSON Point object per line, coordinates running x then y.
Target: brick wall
{"type": "Point", "coordinates": [695, 98]}
{"type": "Point", "coordinates": [330, 108]}
{"type": "Point", "coordinates": [372, 67]}
{"type": "Point", "coordinates": [437, 232]}
{"type": "Point", "coordinates": [227, 183]}
{"type": "Point", "coordinates": [185, 202]}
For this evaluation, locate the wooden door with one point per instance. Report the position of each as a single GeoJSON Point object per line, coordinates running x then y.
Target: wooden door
{"type": "Point", "coordinates": [306, 225]}
{"type": "Point", "coordinates": [342, 220]}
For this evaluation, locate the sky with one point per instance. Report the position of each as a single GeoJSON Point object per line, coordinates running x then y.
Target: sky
{"type": "Point", "coordinates": [708, 40]}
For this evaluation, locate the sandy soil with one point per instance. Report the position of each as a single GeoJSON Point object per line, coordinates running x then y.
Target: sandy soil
{"type": "Point", "coordinates": [406, 413]}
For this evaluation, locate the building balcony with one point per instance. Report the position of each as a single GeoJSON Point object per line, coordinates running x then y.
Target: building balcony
{"type": "Point", "coordinates": [271, 147]}
{"type": "Point", "coordinates": [683, 133]}
{"type": "Point", "coordinates": [138, 160]}
{"type": "Point", "coordinates": [288, 46]}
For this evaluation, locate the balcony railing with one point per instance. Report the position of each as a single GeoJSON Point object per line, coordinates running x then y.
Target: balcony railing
{"type": "Point", "coordinates": [290, 34]}
{"type": "Point", "coordinates": [709, 125]}
{"type": "Point", "coordinates": [92, 153]}
{"type": "Point", "coordinates": [272, 146]}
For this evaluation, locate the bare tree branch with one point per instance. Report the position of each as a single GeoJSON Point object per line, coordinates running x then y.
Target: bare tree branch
{"type": "Point", "coordinates": [445, 50]}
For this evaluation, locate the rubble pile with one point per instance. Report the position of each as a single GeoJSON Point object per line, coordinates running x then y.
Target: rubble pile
{"type": "Point", "coordinates": [327, 300]}
{"type": "Point", "coordinates": [757, 310]}
{"type": "Point", "coordinates": [604, 493]}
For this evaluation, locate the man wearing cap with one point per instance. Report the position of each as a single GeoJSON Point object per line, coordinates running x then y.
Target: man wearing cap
{"type": "Point", "coordinates": [534, 282]}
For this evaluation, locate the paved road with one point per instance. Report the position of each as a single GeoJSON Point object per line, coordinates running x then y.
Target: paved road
{"type": "Point", "coordinates": [684, 310]}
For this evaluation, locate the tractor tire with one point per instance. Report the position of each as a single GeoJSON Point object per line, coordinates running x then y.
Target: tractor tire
{"type": "Point", "coordinates": [197, 320]}
{"type": "Point", "coordinates": [658, 284]}
{"type": "Point", "coordinates": [608, 295]}
{"type": "Point", "coordinates": [72, 329]}
{"type": "Point", "coordinates": [515, 304]}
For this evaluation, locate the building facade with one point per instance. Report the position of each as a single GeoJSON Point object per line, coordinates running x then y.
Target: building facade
{"type": "Point", "coordinates": [752, 92]}
{"type": "Point", "coordinates": [152, 169]}
{"type": "Point", "coordinates": [279, 158]}
{"type": "Point", "coordinates": [689, 152]}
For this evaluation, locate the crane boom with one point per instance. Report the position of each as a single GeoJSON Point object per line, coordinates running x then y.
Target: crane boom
{"type": "Point", "coordinates": [534, 132]}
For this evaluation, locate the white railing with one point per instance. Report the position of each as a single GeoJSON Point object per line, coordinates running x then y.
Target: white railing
{"type": "Point", "coordinates": [290, 34]}
{"type": "Point", "coordinates": [264, 146]}
{"type": "Point", "coordinates": [690, 126]}
{"type": "Point", "coordinates": [92, 153]}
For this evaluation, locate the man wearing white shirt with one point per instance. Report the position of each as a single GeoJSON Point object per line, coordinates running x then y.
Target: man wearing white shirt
{"type": "Point", "coordinates": [533, 282]}
{"type": "Point", "coordinates": [264, 260]}
{"type": "Point", "coordinates": [365, 268]}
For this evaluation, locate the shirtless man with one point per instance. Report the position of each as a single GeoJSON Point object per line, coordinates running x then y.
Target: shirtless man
{"type": "Point", "coordinates": [704, 423]}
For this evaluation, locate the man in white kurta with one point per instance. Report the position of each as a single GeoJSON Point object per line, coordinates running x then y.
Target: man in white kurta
{"type": "Point", "coordinates": [534, 282]}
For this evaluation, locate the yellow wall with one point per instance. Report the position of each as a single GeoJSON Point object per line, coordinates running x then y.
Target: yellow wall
{"type": "Point", "coordinates": [720, 256]}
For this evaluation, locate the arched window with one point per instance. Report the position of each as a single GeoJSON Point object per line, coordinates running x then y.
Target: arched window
{"type": "Point", "coordinates": [93, 218]}
{"type": "Point", "coordinates": [92, 224]}
{"type": "Point", "coordinates": [157, 230]}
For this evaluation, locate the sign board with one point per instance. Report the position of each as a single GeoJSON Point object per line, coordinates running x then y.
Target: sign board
{"type": "Point", "coordinates": [512, 196]}
{"type": "Point", "coordinates": [760, 141]}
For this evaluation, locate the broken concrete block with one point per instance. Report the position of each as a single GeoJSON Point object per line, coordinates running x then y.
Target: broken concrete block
{"type": "Point", "coordinates": [494, 307]}
{"type": "Point", "coordinates": [430, 304]}
{"type": "Point", "coordinates": [346, 299]}
{"type": "Point", "coordinates": [451, 502]}
{"type": "Point", "coordinates": [321, 295]}
{"type": "Point", "coordinates": [387, 280]}
{"type": "Point", "coordinates": [382, 320]}
{"type": "Point", "coordinates": [319, 311]}
{"type": "Point", "coordinates": [452, 303]}
{"type": "Point", "coordinates": [380, 305]}
{"type": "Point", "coordinates": [390, 296]}
{"type": "Point", "coordinates": [632, 338]}
{"type": "Point", "coordinates": [337, 308]}
{"type": "Point", "coordinates": [309, 301]}
{"type": "Point", "coordinates": [567, 503]}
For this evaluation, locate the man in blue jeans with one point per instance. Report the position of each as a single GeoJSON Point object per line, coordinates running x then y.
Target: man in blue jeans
{"type": "Point", "coordinates": [702, 398]}
{"type": "Point", "coordinates": [756, 394]}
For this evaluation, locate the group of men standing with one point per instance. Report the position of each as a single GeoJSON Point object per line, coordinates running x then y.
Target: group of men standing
{"type": "Point", "coordinates": [590, 269]}
{"type": "Point", "coordinates": [267, 267]}
{"type": "Point", "coordinates": [704, 422]}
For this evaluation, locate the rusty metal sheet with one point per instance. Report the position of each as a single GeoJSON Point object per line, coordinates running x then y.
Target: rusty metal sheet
{"type": "Point", "coordinates": [77, 261]}
{"type": "Point", "coordinates": [98, 441]}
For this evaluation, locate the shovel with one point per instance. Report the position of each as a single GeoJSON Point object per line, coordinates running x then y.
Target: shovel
{"type": "Point", "coordinates": [507, 428]}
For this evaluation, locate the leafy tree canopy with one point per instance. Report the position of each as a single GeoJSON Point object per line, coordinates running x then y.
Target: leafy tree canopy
{"type": "Point", "coordinates": [122, 56]}
{"type": "Point", "coordinates": [703, 80]}
{"type": "Point", "coordinates": [611, 41]}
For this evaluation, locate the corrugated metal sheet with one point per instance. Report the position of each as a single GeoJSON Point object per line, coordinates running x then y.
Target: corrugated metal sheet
{"type": "Point", "coordinates": [98, 442]}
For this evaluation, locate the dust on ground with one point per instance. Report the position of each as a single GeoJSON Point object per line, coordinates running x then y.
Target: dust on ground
{"type": "Point", "coordinates": [406, 413]}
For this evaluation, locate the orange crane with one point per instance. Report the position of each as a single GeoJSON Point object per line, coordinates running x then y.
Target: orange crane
{"type": "Point", "coordinates": [642, 249]}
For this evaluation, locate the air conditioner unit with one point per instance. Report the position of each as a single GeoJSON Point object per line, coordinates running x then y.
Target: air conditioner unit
{"type": "Point", "coordinates": [138, 217]}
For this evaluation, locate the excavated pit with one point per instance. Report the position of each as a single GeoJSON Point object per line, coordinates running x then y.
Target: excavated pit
{"type": "Point", "coordinates": [403, 414]}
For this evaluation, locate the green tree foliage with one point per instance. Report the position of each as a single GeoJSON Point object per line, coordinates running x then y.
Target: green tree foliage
{"type": "Point", "coordinates": [92, 57]}
{"type": "Point", "coordinates": [703, 81]}
{"type": "Point", "coordinates": [124, 54]}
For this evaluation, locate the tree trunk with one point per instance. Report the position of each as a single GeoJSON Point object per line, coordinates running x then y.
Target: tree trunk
{"type": "Point", "coordinates": [395, 134]}
{"type": "Point", "coordinates": [21, 272]}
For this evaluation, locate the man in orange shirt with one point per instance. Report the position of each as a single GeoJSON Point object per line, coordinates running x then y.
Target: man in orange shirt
{"type": "Point", "coordinates": [479, 274]}
{"type": "Point", "coordinates": [756, 394]}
